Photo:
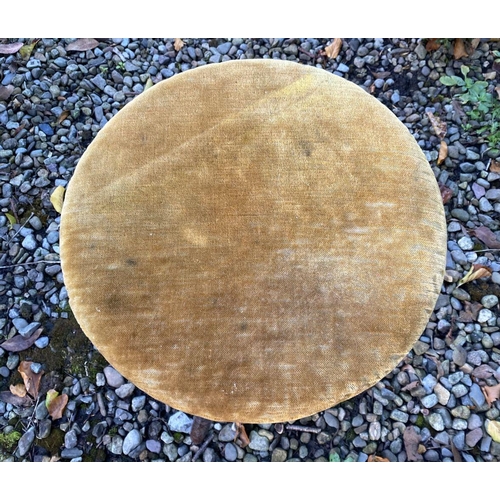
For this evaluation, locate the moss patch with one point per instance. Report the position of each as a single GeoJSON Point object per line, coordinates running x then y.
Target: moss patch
{"type": "Point", "coordinates": [53, 442]}
{"type": "Point", "coordinates": [69, 351]}
{"type": "Point", "coordinates": [8, 443]}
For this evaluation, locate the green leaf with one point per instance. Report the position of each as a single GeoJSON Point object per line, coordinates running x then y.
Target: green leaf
{"type": "Point", "coordinates": [465, 70]}
{"type": "Point", "coordinates": [448, 80]}
{"type": "Point", "coordinates": [149, 84]}
{"type": "Point", "coordinates": [334, 456]}
{"type": "Point", "coordinates": [11, 219]}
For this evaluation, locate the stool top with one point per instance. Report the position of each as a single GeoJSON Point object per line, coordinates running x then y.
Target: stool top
{"type": "Point", "coordinates": [253, 241]}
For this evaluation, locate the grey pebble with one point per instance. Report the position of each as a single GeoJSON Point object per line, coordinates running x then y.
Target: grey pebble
{"type": "Point", "coordinates": [113, 378]}
{"type": "Point", "coordinates": [477, 396]}
{"type": "Point", "coordinates": [125, 390]}
{"type": "Point", "coordinates": [71, 453]}
{"type": "Point", "coordinates": [460, 214]}
{"type": "Point", "coordinates": [429, 401]}
{"type": "Point", "coordinates": [489, 301]}
{"type": "Point", "coordinates": [180, 422]}
{"type": "Point", "coordinates": [223, 48]}
{"type": "Point", "coordinates": [436, 421]}
{"type": "Point", "coordinates": [399, 416]}
{"type": "Point", "coordinates": [230, 452]}
{"type": "Point", "coordinates": [116, 446]}
{"type": "Point", "coordinates": [29, 330]}
{"type": "Point", "coordinates": [29, 242]}
{"type": "Point", "coordinates": [153, 445]}
{"type": "Point", "coordinates": [227, 433]}
{"type": "Point", "coordinates": [138, 403]}
{"type": "Point", "coordinates": [26, 441]}
{"type": "Point", "coordinates": [4, 372]}
{"type": "Point", "coordinates": [70, 439]}
{"type": "Point", "coordinates": [132, 440]}
{"type": "Point", "coordinates": [42, 342]}
{"type": "Point", "coordinates": [258, 442]}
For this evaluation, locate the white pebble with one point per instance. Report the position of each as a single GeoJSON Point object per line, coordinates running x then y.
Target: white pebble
{"type": "Point", "coordinates": [489, 301]}
{"type": "Point", "coordinates": [465, 243]}
{"type": "Point", "coordinates": [484, 316]}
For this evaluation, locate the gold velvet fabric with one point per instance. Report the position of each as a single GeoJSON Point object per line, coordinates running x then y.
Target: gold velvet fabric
{"type": "Point", "coordinates": [253, 241]}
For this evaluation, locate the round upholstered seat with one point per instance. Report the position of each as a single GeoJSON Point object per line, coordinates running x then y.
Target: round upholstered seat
{"type": "Point", "coordinates": [253, 241]}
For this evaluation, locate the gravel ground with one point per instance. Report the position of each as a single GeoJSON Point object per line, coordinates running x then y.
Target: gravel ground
{"type": "Point", "coordinates": [432, 407]}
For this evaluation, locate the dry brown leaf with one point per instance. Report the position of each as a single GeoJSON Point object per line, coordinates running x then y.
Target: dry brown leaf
{"type": "Point", "coordinates": [411, 440]}
{"type": "Point", "coordinates": [497, 88]}
{"type": "Point", "coordinates": [490, 75]}
{"type": "Point", "coordinates": [18, 390]}
{"type": "Point", "coordinates": [20, 343]}
{"type": "Point", "coordinates": [446, 193]}
{"type": "Point", "coordinates": [178, 44]}
{"type": "Point", "coordinates": [495, 166]}
{"type": "Point", "coordinates": [459, 49]}
{"type": "Point", "coordinates": [62, 117]}
{"type": "Point", "coordinates": [57, 198]}
{"type": "Point", "coordinates": [457, 457]}
{"type": "Point", "coordinates": [199, 429]}
{"type": "Point", "coordinates": [491, 393]}
{"type": "Point", "coordinates": [56, 403]}
{"type": "Point", "coordinates": [487, 236]}
{"type": "Point", "coordinates": [470, 312]}
{"type": "Point", "coordinates": [475, 43]}
{"type": "Point", "coordinates": [332, 50]}
{"type": "Point", "coordinates": [10, 48]}
{"type": "Point", "coordinates": [375, 458]}
{"type": "Point", "coordinates": [438, 126]}
{"type": "Point", "coordinates": [8, 397]}
{"type": "Point", "coordinates": [411, 386]}
{"type": "Point", "coordinates": [82, 44]}
{"type": "Point", "coordinates": [443, 152]}
{"type": "Point", "coordinates": [31, 379]}
{"type": "Point", "coordinates": [5, 92]}
{"type": "Point", "coordinates": [241, 438]}
{"type": "Point", "coordinates": [432, 44]}
{"type": "Point", "coordinates": [475, 272]}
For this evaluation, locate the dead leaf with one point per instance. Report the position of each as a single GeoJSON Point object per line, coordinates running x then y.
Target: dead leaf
{"type": "Point", "coordinates": [446, 193]}
{"type": "Point", "coordinates": [82, 44]}
{"type": "Point", "coordinates": [149, 84]}
{"type": "Point", "coordinates": [459, 49]}
{"type": "Point", "coordinates": [497, 88]}
{"type": "Point", "coordinates": [20, 343]}
{"type": "Point", "coordinates": [485, 371]}
{"type": "Point", "coordinates": [6, 92]}
{"type": "Point", "coordinates": [375, 458]}
{"type": "Point", "coordinates": [443, 152]}
{"type": "Point", "coordinates": [55, 403]}
{"type": "Point", "coordinates": [491, 393]}
{"type": "Point", "coordinates": [457, 457]}
{"type": "Point", "coordinates": [10, 48]}
{"type": "Point", "coordinates": [475, 43]}
{"type": "Point", "coordinates": [491, 75]}
{"type": "Point", "coordinates": [332, 50]}
{"type": "Point", "coordinates": [432, 44]}
{"type": "Point", "coordinates": [412, 440]}
{"type": "Point", "coordinates": [438, 126]}
{"type": "Point", "coordinates": [26, 50]}
{"type": "Point", "coordinates": [8, 397]}
{"type": "Point", "coordinates": [411, 386]}
{"type": "Point", "coordinates": [62, 117]}
{"type": "Point", "coordinates": [18, 390]}
{"type": "Point", "coordinates": [241, 438]}
{"type": "Point", "coordinates": [31, 379]}
{"type": "Point", "coordinates": [487, 236]}
{"type": "Point", "coordinates": [495, 166]}
{"type": "Point", "coordinates": [470, 312]}
{"type": "Point", "coordinates": [199, 429]}
{"type": "Point", "coordinates": [493, 429]}
{"type": "Point", "coordinates": [57, 198]}
{"type": "Point", "coordinates": [475, 272]}
{"type": "Point", "coordinates": [178, 44]}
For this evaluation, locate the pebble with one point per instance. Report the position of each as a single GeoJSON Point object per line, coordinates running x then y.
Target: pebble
{"type": "Point", "coordinates": [132, 440]}
{"type": "Point", "coordinates": [125, 390]}
{"type": "Point", "coordinates": [29, 242]}
{"type": "Point", "coordinates": [153, 446]}
{"type": "Point", "coordinates": [25, 442]}
{"type": "Point", "coordinates": [258, 442]}
{"type": "Point", "coordinates": [489, 301]}
{"type": "Point", "coordinates": [113, 378]}
{"type": "Point", "coordinates": [436, 421]}
{"type": "Point", "coordinates": [230, 452]}
{"type": "Point", "coordinates": [180, 422]}
{"type": "Point", "coordinates": [227, 433]}
{"type": "Point", "coordinates": [70, 439]}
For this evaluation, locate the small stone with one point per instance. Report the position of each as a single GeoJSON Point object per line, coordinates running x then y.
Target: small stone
{"type": "Point", "coordinates": [99, 82]}
{"type": "Point", "coordinates": [429, 401]}
{"type": "Point", "coordinates": [477, 396]}
{"type": "Point", "coordinates": [26, 441]}
{"type": "Point", "coordinates": [442, 438]}
{"type": "Point", "coordinates": [258, 442]}
{"type": "Point", "coordinates": [484, 316]}
{"type": "Point", "coordinates": [153, 446]}
{"type": "Point", "coordinates": [227, 434]}
{"type": "Point", "coordinates": [180, 422]}
{"type": "Point", "coordinates": [42, 342]}
{"type": "Point", "coordinates": [489, 301]}
{"type": "Point", "coordinates": [116, 446]}
{"type": "Point", "coordinates": [485, 205]}
{"type": "Point", "coordinates": [429, 382]}
{"type": "Point", "coordinates": [113, 378]}
{"type": "Point", "coordinates": [420, 347]}
{"type": "Point", "coordinates": [46, 129]}
{"type": "Point", "coordinates": [443, 394]}
{"type": "Point", "coordinates": [36, 367]}
{"type": "Point", "coordinates": [230, 452]}
{"type": "Point", "coordinates": [460, 294]}
{"type": "Point", "coordinates": [29, 242]}
{"type": "Point", "coordinates": [279, 455]}
{"type": "Point", "coordinates": [436, 421]}
{"type": "Point", "coordinates": [374, 431]}
{"type": "Point", "coordinates": [171, 451]}
{"type": "Point", "coordinates": [44, 428]}
{"type": "Point", "coordinates": [465, 243]}
{"type": "Point", "coordinates": [473, 437]}
{"type": "Point", "coordinates": [460, 214]}
{"type": "Point", "coordinates": [29, 330]}
{"type": "Point", "coordinates": [459, 440]}
{"type": "Point", "coordinates": [399, 416]}
{"type": "Point", "coordinates": [460, 354]}
{"type": "Point", "coordinates": [493, 194]}
{"type": "Point", "coordinates": [459, 390]}
{"type": "Point", "coordinates": [70, 439]}
{"type": "Point", "coordinates": [132, 440]}
{"type": "Point", "coordinates": [125, 390]}
{"type": "Point", "coordinates": [224, 48]}
{"type": "Point", "coordinates": [138, 403]}
{"type": "Point", "coordinates": [71, 453]}
{"type": "Point", "coordinates": [459, 424]}
{"type": "Point", "coordinates": [343, 68]}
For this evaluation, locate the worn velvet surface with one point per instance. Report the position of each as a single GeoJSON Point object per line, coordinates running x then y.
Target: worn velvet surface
{"type": "Point", "coordinates": [253, 241]}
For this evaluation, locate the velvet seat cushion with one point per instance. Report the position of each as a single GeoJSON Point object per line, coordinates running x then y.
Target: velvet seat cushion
{"type": "Point", "coordinates": [253, 241]}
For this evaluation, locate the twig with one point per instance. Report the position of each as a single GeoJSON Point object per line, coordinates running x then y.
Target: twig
{"type": "Point", "coordinates": [19, 230]}
{"type": "Point", "coordinates": [203, 447]}
{"type": "Point", "coordinates": [302, 428]}
{"type": "Point", "coordinates": [31, 263]}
